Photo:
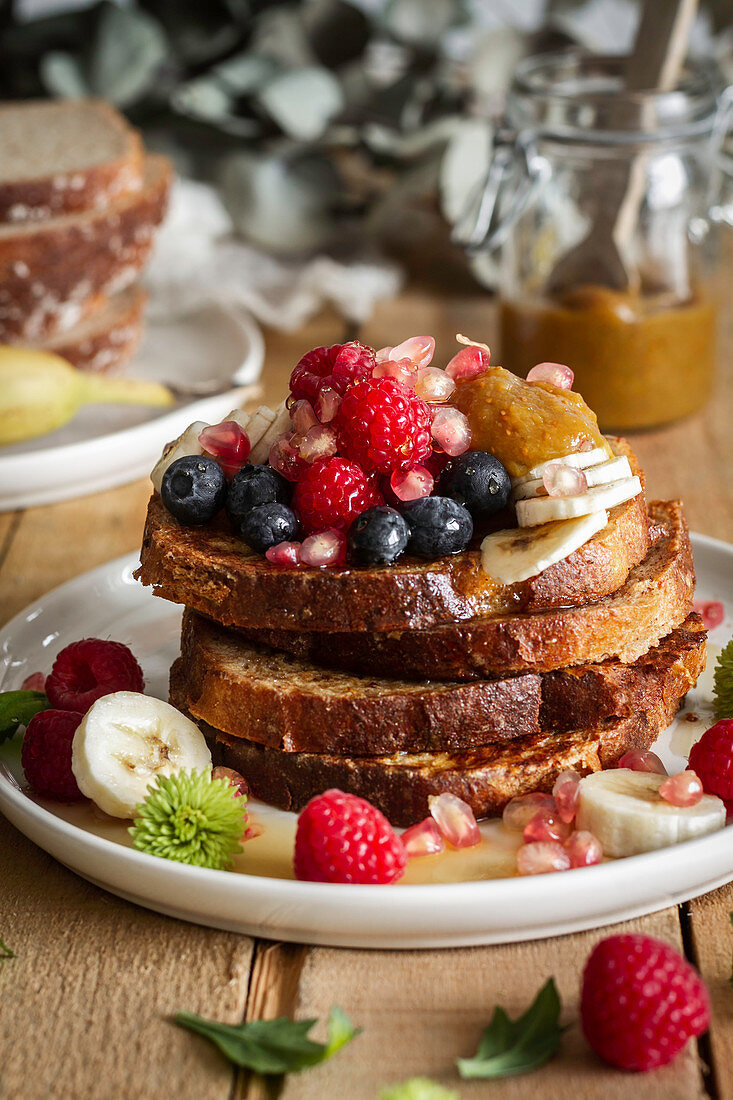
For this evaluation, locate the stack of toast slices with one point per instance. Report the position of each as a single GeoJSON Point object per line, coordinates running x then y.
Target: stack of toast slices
{"type": "Point", "coordinates": [404, 681]}
{"type": "Point", "coordinates": [80, 201]}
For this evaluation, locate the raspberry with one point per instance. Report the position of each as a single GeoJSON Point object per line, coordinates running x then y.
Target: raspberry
{"type": "Point", "coordinates": [342, 838]}
{"type": "Point", "coordinates": [641, 1002]}
{"type": "Point", "coordinates": [383, 426]}
{"type": "Point", "coordinates": [332, 493]}
{"type": "Point", "coordinates": [337, 366]}
{"type": "Point", "coordinates": [46, 754]}
{"type": "Point", "coordinates": [712, 759]}
{"type": "Point", "coordinates": [89, 669]}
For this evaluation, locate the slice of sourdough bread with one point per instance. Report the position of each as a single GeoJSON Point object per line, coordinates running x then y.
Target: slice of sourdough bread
{"type": "Point", "coordinates": [400, 784]}
{"type": "Point", "coordinates": [52, 274]}
{"type": "Point", "coordinates": [211, 570]}
{"type": "Point", "coordinates": [289, 704]}
{"type": "Point", "coordinates": [108, 337]}
{"type": "Point", "coordinates": [655, 599]}
{"type": "Point", "coordinates": [60, 157]}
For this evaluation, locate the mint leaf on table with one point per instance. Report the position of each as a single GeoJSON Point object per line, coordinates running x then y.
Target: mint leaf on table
{"type": "Point", "coordinates": [418, 1088]}
{"type": "Point", "coordinates": [510, 1047]}
{"type": "Point", "coordinates": [17, 708]}
{"type": "Point", "coordinates": [273, 1046]}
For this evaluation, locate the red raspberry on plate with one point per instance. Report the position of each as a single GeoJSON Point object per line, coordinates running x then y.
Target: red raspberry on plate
{"type": "Point", "coordinates": [332, 493]}
{"type": "Point", "coordinates": [337, 366]}
{"type": "Point", "coordinates": [342, 838]}
{"type": "Point", "coordinates": [712, 759]}
{"type": "Point", "coordinates": [85, 671]}
{"type": "Point", "coordinates": [46, 754]}
{"type": "Point", "coordinates": [383, 426]}
{"type": "Point", "coordinates": [641, 1002]}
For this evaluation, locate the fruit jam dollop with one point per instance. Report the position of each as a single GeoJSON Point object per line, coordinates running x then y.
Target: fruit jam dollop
{"type": "Point", "coordinates": [525, 423]}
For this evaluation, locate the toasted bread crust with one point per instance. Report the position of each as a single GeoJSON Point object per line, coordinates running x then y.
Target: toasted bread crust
{"type": "Point", "coordinates": [52, 277]}
{"type": "Point", "coordinates": [656, 598]}
{"type": "Point", "coordinates": [95, 187]}
{"type": "Point", "coordinates": [212, 571]}
{"type": "Point", "coordinates": [277, 700]}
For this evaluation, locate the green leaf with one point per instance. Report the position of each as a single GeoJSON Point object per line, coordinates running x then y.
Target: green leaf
{"type": "Point", "coordinates": [17, 708]}
{"type": "Point", "coordinates": [302, 102]}
{"type": "Point", "coordinates": [5, 952]}
{"type": "Point", "coordinates": [129, 48]}
{"type": "Point", "coordinates": [273, 1046]}
{"type": "Point", "coordinates": [61, 74]}
{"type": "Point", "coordinates": [510, 1047]}
{"type": "Point", "coordinates": [418, 1088]}
{"type": "Point", "coordinates": [723, 683]}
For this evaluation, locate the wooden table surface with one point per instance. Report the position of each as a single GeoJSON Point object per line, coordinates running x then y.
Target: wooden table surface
{"type": "Point", "coordinates": [85, 1007]}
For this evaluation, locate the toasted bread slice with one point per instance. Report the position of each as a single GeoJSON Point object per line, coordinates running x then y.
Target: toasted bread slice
{"type": "Point", "coordinates": [60, 157]}
{"type": "Point", "coordinates": [211, 570]}
{"type": "Point", "coordinates": [52, 274]}
{"type": "Point", "coordinates": [289, 704]}
{"type": "Point", "coordinates": [108, 337]}
{"type": "Point", "coordinates": [656, 598]}
{"type": "Point", "coordinates": [400, 784]}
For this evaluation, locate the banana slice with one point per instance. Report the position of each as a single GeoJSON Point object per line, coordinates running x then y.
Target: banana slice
{"type": "Point", "coordinates": [186, 444]}
{"type": "Point", "coordinates": [539, 510]}
{"type": "Point", "coordinates": [515, 555]}
{"type": "Point", "coordinates": [279, 424]}
{"type": "Point", "coordinates": [623, 809]}
{"type": "Point", "coordinates": [581, 459]}
{"type": "Point", "coordinates": [603, 474]}
{"type": "Point", "coordinates": [125, 741]}
{"type": "Point", "coordinates": [239, 416]}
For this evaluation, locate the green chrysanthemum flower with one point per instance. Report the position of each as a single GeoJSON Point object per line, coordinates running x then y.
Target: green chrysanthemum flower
{"type": "Point", "coordinates": [191, 818]}
{"type": "Point", "coordinates": [723, 683]}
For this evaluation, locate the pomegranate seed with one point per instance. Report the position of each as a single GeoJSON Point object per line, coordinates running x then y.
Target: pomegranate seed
{"type": "Point", "coordinates": [539, 858]}
{"type": "Point", "coordinates": [423, 839]}
{"type": "Point", "coordinates": [324, 548]}
{"type": "Point", "coordinates": [320, 442]}
{"type": "Point", "coordinates": [35, 682]}
{"type": "Point", "coordinates": [566, 792]}
{"type": "Point", "coordinates": [683, 789]}
{"type": "Point", "coordinates": [285, 554]}
{"type": "Point", "coordinates": [303, 416]}
{"type": "Point", "coordinates": [468, 363]}
{"type": "Point", "coordinates": [234, 779]}
{"type": "Point", "coordinates": [455, 820]}
{"type": "Point", "coordinates": [545, 825]}
{"type": "Point", "coordinates": [418, 349]}
{"type": "Point", "coordinates": [402, 370]}
{"type": "Point", "coordinates": [564, 481]}
{"type": "Point", "coordinates": [712, 612]}
{"type": "Point", "coordinates": [584, 849]}
{"type": "Point", "coordinates": [327, 404]}
{"type": "Point", "coordinates": [451, 431]}
{"type": "Point", "coordinates": [434, 385]}
{"type": "Point", "coordinates": [637, 761]}
{"type": "Point", "coordinates": [228, 444]}
{"type": "Point", "coordinates": [412, 484]}
{"type": "Point", "coordinates": [285, 458]}
{"type": "Point", "coordinates": [554, 374]}
{"type": "Point", "coordinates": [384, 354]}
{"type": "Point", "coordinates": [520, 810]}
{"type": "Point", "coordinates": [252, 831]}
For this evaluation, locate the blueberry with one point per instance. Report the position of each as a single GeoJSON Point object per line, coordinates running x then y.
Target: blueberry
{"type": "Point", "coordinates": [266, 525]}
{"type": "Point", "coordinates": [438, 526]}
{"type": "Point", "coordinates": [478, 481]}
{"type": "Point", "coordinates": [378, 535]}
{"type": "Point", "coordinates": [253, 485]}
{"type": "Point", "coordinates": [194, 489]}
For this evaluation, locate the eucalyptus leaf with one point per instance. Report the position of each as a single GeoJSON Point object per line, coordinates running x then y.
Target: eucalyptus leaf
{"type": "Point", "coordinates": [129, 48]}
{"type": "Point", "coordinates": [279, 33]}
{"type": "Point", "coordinates": [16, 710]}
{"type": "Point", "coordinates": [422, 23]}
{"type": "Point", "coordinates": [510, 1047]}
{"type": "Point", "coordinates": [61, 74]}
{"type": "Point", "coordinates": [244, 73]}
{"type": "Point", "coordinates": [273, 1046]}
{"type": "Point", "coordinates": [302, 102]}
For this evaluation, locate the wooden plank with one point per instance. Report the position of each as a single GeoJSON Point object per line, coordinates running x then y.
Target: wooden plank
{"type": "Point", "coordinates": [87, 1003]}
{"type": "Point", "coordinates": [420, 1010]}
{"type": "Point", "coordinates": [711, 937]}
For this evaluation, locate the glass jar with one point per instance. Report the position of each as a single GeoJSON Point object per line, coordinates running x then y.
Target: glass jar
{"type": "Point", "coordinates": [577, 152]}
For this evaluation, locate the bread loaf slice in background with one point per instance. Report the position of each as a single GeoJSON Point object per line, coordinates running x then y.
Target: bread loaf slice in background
{"type": "Point", "coordinates": [108, 337]}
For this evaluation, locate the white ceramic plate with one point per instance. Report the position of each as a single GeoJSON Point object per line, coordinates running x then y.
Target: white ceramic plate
{"type": "Point", "coordinates": [108, 602]}
{"type": "Point", "coordinates": [107, 445]}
